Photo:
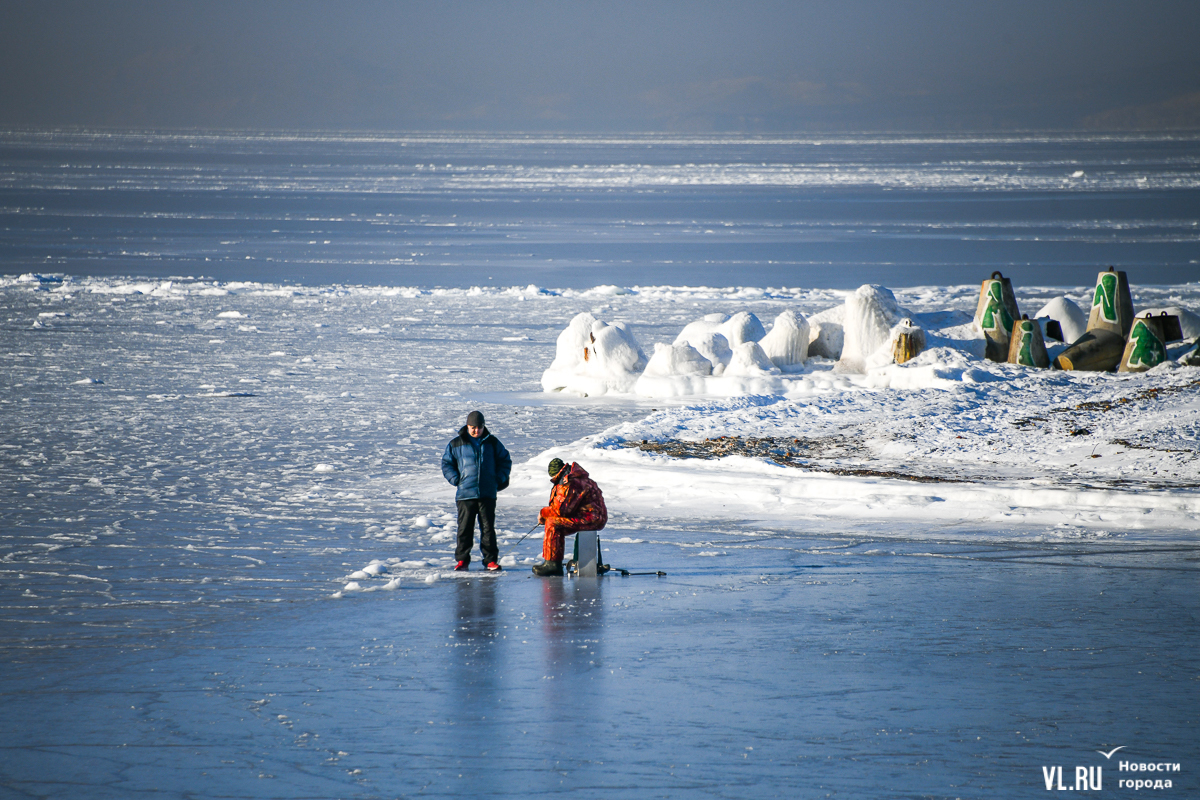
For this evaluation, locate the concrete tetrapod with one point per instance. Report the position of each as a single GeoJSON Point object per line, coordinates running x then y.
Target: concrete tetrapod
{"type": "Point", "coordinates": [1026, 345]}
{"type": "Point", "coordinates": [1111, 317]}
{"type": "Point", "coordinates": [1112, 304]}
{"type": "Point", "coordinates": [1095, 351]}
{"type": "Point", "coordinates": [1146, 347]}
{"type": "Point", "coordinates": [995, 313]}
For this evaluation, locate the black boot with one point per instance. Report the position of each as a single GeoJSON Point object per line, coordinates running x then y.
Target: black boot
{"type": "Point", "coordinates": [548, 569]}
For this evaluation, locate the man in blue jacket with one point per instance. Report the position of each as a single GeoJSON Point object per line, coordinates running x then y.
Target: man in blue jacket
{"type": "Point", "coordinates": [477, 463]}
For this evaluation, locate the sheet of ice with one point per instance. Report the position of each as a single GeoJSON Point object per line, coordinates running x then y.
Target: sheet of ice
{"type": "Point", "coordinates": [463, 210]}
{"type": "Point", "coordinates": [193, 608]}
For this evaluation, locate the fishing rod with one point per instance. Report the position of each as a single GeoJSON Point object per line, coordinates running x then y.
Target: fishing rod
{"type": "Point", "coordinates": [626, 573]}
{"type": "Point", "coordinates": [526, 536]}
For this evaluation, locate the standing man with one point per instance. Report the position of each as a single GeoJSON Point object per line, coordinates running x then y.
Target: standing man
{"type": "Point", "coordinates": [477, 463]}
{"type": "Point", "coordinates": [576, 504]}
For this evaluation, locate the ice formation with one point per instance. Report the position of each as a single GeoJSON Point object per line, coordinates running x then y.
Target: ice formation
{"type": "Point", "coordinates": [787, 343]}
{"type": "Point", "coordinates": [727, 355]}
{"type": "Point", "coordinates": [710, 344]}
{"type": "Point", "coordinates": [708, 324]}
{"type": "Point", "coordinates": [871, 312]}
{"type": "Point", "coordinates": [593, 357]}
{"type": "Point", "coordinates": [674, 370]}
{"type": "Point", "coordinates": [826, 335]}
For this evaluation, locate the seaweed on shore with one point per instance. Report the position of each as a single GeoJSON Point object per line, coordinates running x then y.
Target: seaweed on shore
{"type": "Point", "coordinates": [786, 451]}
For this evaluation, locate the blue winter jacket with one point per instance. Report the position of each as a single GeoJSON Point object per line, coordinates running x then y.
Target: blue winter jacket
{"type": "Point", "coordinates": [478, 467]}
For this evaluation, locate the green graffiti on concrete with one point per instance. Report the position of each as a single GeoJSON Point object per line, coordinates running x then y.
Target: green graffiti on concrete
{"type": "Point", "coordinates": [1148, 351]}
{"type": "Point", "coordinates": [1025, 348]}
{"type": "Point", "coordinates": [1106, 296]}
{"type": "Point", "coordinates": [996, 292]}
{"type": "Point", "coordinates": [995, 315]}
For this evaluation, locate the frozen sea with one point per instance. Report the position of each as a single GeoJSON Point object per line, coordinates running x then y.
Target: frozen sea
{"type": "Point", "coordinates": [232, 362]}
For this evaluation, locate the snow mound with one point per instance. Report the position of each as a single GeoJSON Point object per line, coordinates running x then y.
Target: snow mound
{"type": "Point", "coordinates": [708, 324]}
{"type": "Point", "coordinates": [742, 327]}
{"type": "Point", "coordinates": [711, 345]}
{"type": "Point", "coordinates": [593, 358]}
{"type": "Point", "coordinates": [750, 361]}
{"type": "Point", "coordinates": [1068, 315]}
{"type": "Point", "coordinates": [675, 370]}
{"type": "Point", "coordinates": [673, 360]}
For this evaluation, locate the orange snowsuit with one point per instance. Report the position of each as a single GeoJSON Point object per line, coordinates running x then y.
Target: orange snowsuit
{"type": "Point", "coordinates": [576, 504]}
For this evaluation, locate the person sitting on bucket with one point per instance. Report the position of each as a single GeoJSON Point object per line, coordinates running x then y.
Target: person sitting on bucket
{"type": "Point", "coordinates": [576, 504]}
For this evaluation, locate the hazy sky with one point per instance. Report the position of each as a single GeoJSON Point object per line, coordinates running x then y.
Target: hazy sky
{"type": "Point", "coordinates": [602, 66]}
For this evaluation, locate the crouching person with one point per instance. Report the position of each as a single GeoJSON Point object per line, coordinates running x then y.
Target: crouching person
{"type": "Point", "coordinates": [576, 504]}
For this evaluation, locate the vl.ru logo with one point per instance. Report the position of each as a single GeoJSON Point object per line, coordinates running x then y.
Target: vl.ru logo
{"type": "Point", "coordinates": [1086, 779]}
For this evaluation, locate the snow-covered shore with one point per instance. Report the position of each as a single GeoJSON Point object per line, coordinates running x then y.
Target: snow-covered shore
{"type": "Point", "coordinates": [948, 437]}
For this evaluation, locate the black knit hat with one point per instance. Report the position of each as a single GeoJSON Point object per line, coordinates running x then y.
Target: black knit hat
{"type": "Point", "coordinates": [556, 465]}
{"type": "Point", "coordinates": [475, 419]}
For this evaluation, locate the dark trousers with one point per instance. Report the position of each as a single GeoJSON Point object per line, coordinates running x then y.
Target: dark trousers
{"type": "Point", "coordinates": [485, 510]}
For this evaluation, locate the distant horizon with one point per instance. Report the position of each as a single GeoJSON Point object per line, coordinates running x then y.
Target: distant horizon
{"type": "Point", "coordinates": [280, 131]}
{"type": "Point", "coordinates": [710, 66]}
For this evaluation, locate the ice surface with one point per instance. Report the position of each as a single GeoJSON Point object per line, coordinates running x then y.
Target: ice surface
{"type": "Point", "coordinates": [211, 592]}
{"type": "Point", "coordinates": [460, 210]}
{"type": "Point", "coordinates": [226, 547]}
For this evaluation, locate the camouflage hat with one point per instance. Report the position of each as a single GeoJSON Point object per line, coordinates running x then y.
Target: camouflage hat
{"type": "Point", "coordinates": [556, 465]}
